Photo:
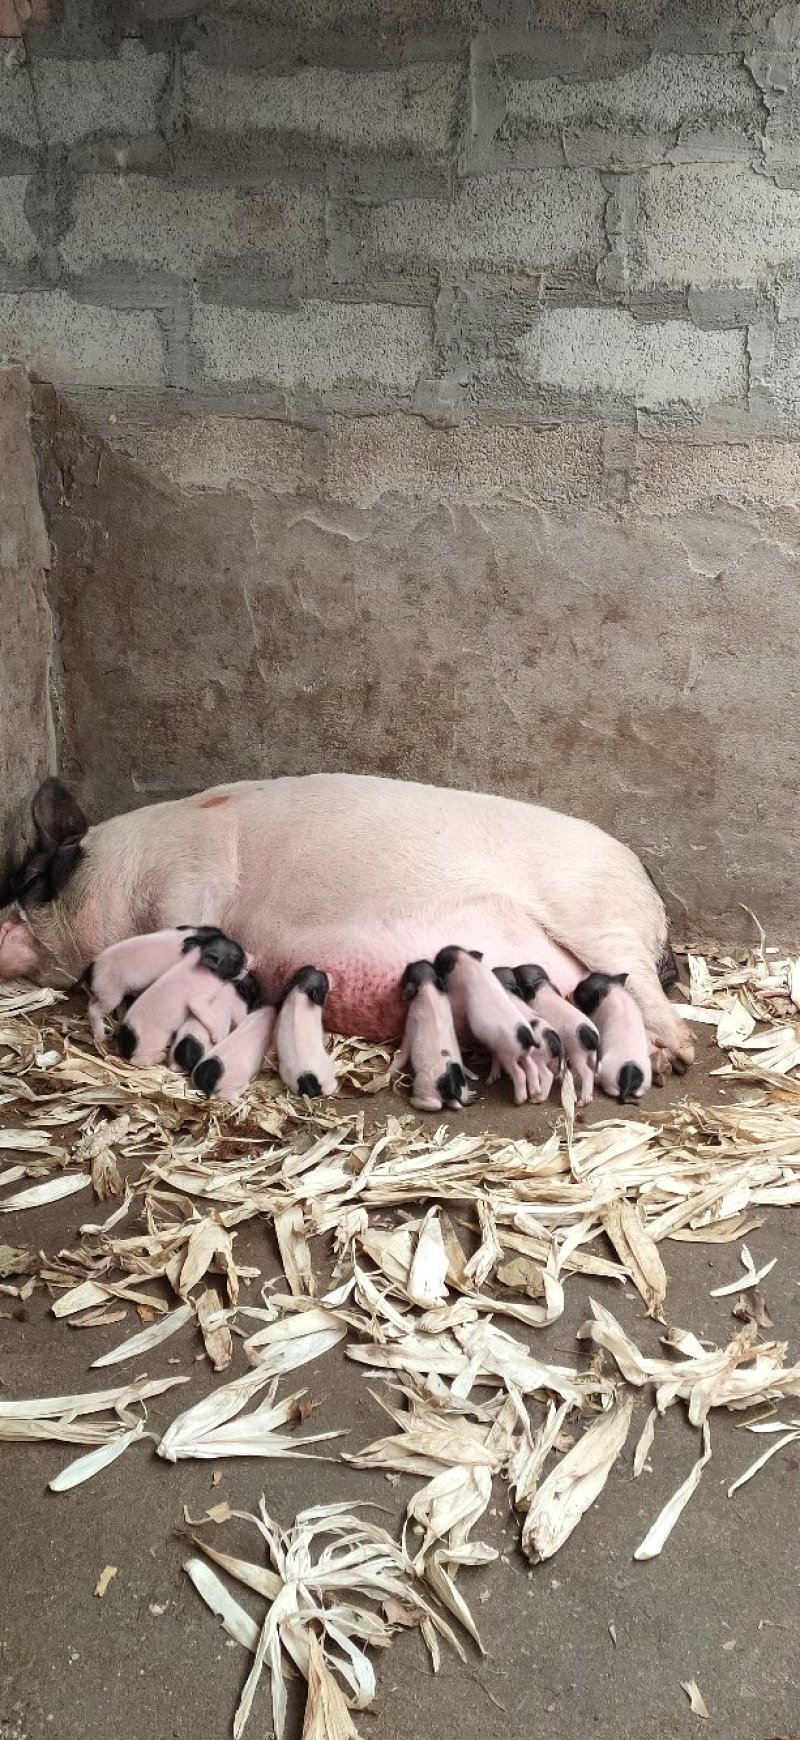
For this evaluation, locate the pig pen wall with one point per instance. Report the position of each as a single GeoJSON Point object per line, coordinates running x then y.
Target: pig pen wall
{"type": "Point", "coordinates": [420, 393]}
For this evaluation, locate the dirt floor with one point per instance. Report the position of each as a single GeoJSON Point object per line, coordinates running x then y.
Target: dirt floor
{"type": "Point", "coordinates": [149, 1662]}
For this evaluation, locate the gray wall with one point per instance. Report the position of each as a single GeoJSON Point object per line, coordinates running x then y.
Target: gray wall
{"type": "Point", "coordinates": [429, 390]}
{"type": "Point", "coordinates": [27, 738]}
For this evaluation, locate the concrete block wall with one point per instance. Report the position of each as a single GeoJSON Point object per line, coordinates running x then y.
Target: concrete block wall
{"type": "Point", "coordinates": [27, 646]}
{"type": "Point", "coordinates": [406, 315]}
{"type": "Point", "coordinates": [491, 210]}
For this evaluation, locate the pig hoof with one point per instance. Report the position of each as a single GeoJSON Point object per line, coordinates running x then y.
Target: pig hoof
{"type": "Point", "coordinates": [308, 1085]}
{"type": "Point", "coordinates": [682, 1052]}
{"type": "Point", "coordinates": [660, 1065]}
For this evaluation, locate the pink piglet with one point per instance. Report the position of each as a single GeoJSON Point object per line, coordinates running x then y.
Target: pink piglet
{"type": "Point", "coordinates": [234, 1063]}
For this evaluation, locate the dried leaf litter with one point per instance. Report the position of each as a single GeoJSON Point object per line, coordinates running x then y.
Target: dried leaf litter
{"type": "Point", "coordinates": [450, 1250]}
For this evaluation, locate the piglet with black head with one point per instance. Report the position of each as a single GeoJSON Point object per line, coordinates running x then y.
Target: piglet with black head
{"type": "Point", "coordinates": [235, 1062]}
{"type": "Point", "coordinates": [125, 969]}
{"type": "Point", "coordinates": [303, 1062]}
{"type": "Point", "coordinates": [624, 1070]}
{"type": "Point", "coordinates": [545, 1062]}
{"type": "Point", "coordinates": [201, 985]}
{"type": "Point", "coordinates": [429, 1043]}
{"type": "Point", "coordinates": [479, 1000]}
{"type": "Point", "coordinates": [579, 1038]}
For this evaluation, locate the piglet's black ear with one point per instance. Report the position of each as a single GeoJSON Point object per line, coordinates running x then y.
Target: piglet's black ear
{"type": "Point", "coordinates": [57, 817]}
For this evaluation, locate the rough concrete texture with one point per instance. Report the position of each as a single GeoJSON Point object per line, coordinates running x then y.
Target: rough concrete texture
{"type": "Point", "coordinates": [76, 98]}
{"type": "Point", "coordinates": [54, 334]}
{"type": "Point", "coordinates": [18, 244]}
{"type": "Point", "coordinates": [27, 740]}
{"type": "Point", "coordinates": [439, 362]}
{"type": "Point", "coordinates": [412, 107]}
{"type": "Point", "coordinates": [149, 1660]}
{"type": "Point", "coordinates": [605, 350]}
{"type": "Point", "coordinates": [148, 223]}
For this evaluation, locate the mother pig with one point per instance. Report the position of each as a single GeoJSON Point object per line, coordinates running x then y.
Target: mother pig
{"type": "Point", "coordinates": [358, 875]}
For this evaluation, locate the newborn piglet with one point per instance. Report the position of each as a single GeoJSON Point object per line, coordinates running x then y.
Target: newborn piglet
{"type": "Point", "coordinates": [201, 986]}
{"type": "Point", "coordinates": [234, 1063]}
{"type": "Point", "coordinates": [624, 1069]}
{"type": "Point", "coordinates": [429, 1043]}
{"type": "Point", "coordinates": [128, 968]}
{"type": "Point", "coordinates": [544, 1063]}
{"type": "Point", "coordinates": [236, 997]}
{"type": "Point", "coordinates": [303, 1062]}
{"type": "Point", "coordinates": [580, 1039]}
{"type": "Point", "coordinates": [492, 1018]}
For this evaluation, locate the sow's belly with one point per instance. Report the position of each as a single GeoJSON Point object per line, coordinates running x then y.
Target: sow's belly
{"type": "Point", "coordinates": [365, 971]}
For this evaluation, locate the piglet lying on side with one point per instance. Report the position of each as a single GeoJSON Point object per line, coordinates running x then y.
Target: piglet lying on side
{"type": "Point", "coordinates": [429, 1043]}
{"type": "Point", "coordinates": [303, 1062]}
{"type": "Point", "coordinates": [624, 1069]}
{"type": "Point", "coordinates": [230, 1068]}
{"type": "Point", "coordinates": [194, 987]}
{"type": "Point", "coordinates": [580, 1039]}
{"type": "Point", "coordinates": [493, 1018]}
{"type": "Point", "coordinates": [128, 968]}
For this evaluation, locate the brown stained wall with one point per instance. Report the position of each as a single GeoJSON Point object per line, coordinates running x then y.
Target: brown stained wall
{"type": "Point", "coordinates": [27, 742]}
{"type": "Point", "coordinates": [640, 669]}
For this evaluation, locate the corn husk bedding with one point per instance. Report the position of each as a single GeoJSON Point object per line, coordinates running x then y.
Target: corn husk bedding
{"type": "Point", "coordinates": [430, 1257]}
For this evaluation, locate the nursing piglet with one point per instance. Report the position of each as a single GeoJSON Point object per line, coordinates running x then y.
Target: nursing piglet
{"type": "Point", "coordinates": [197, 986]}
{"type": "Point", "coordinates": [624, 1069]}
{"type": "Point", "coordinates": [429, 1043]}
{"type": "Point", "coordinates": [193, 1040]}
{"type": "Point", "coordinates": [580, 1039]}
{"type": "Point", "coordinates": [233, 1064]}
{"type": "Point", "coordinates": [544, 1062]}
{"type": "Point", "coordinates": [492, 1017]}
{"type": "Point", "coordinates": [128, 968]}
{"type": "Point", "coordinates": [303, 1062]}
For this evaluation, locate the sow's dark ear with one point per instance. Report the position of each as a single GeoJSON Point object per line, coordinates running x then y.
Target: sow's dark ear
{"type": "Point", "coordinates": [60, 826]}
{"type": "Point", "coordinates": [58, 819]}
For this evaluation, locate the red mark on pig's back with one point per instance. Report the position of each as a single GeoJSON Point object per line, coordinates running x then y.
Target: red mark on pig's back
{"type": "Point", "coordinates": [213, 803]}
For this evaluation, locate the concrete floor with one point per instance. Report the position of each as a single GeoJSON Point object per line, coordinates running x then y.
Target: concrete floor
{"type": "Point", "coordinates": [719, 1606]}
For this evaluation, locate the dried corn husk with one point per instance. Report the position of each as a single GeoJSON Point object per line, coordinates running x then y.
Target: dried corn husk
{"type": "Point", "coordinates": [562, 1499]}
{"type": "Point", "coordinates": [665, 1522]}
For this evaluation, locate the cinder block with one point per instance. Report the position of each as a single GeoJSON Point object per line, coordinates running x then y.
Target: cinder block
{"type": "Point", "coordinates": [546, 220]}
{"type": "Point", "coordinates": [18, 244]}
{"type": "Point", "coordinates": [78, 98]}
{"type": "Point", "coordinates": [209, 452]}
{"type": "Point", "coordinates": [410, 108]}
{"type": "Point", "coordinates": [367, 458]}
{"type": "Point", "coordinates": [71, 342]}
{"type": "Point", "coordinates": [694, 106]}
{"type": "Point", "coordinates": [162, 226]}
{"type": "Point", "coordinates": [321, 345]}
{"type": "Point", "coordinates": [674, 474]}
{"type": "Point", "coordinates": [703, 226]}
{"type": "Point", "coordinates": [607, 351]}
{"type": "Point", "coordinates": [17, 111]}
